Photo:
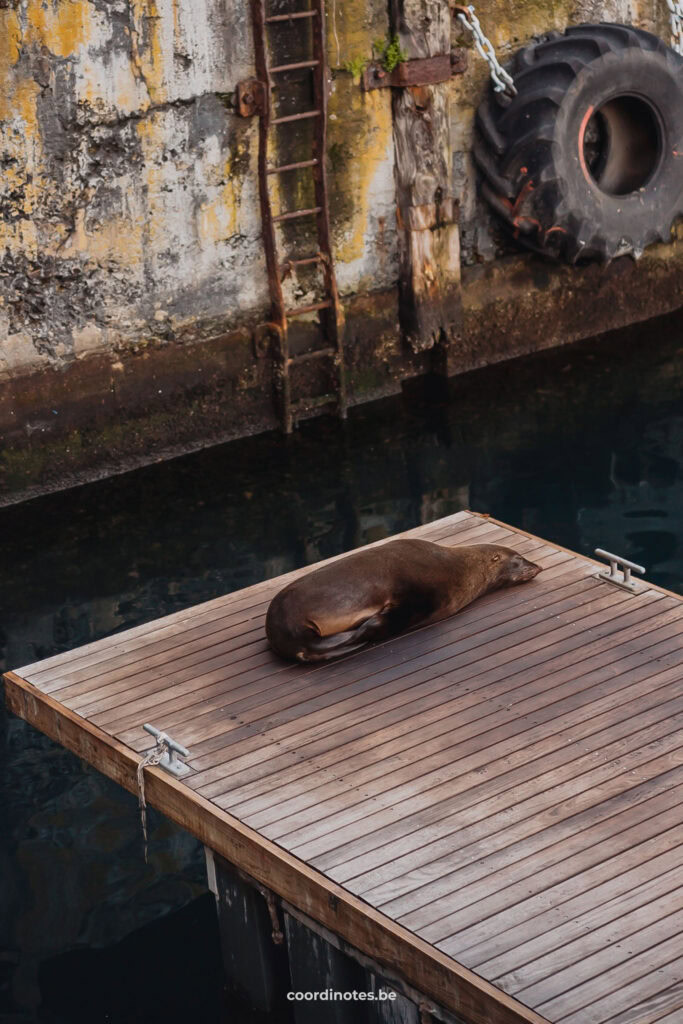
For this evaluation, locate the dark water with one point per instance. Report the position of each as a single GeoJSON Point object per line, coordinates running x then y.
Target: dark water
{"type": "Point", "coordinates": [583, 446]}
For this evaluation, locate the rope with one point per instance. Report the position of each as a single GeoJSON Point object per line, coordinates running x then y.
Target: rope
{"type": "Point", "coordinates": [152, 757]}
{"type": "Point", "coordinates": [277, 935]}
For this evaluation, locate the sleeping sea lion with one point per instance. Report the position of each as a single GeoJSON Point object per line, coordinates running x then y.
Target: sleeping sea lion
{"type": "Point", "coordinates": [381, 591]}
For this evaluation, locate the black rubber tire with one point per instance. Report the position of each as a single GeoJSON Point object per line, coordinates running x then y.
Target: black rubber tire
{"type": "Point", "coordinates": [623, 88]}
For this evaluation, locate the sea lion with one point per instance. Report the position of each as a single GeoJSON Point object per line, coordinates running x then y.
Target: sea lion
{"type": "Point", "coordinates": [381, 591]}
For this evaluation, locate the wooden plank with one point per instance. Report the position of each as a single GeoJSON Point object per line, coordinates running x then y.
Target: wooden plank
{"type": "Point", "coordinates": [613, 994]}
{"type": "Point", "coordinates": [384, 845]}
{"type": "Point", "coordinates": [130, 683]}
{"type": "Point", "coordinates": [505, 785]}
{"type": "Point", "coordinates": [341, 688]}
{"type": "Point", "coordinates": [483, 903]}
{"type": "Point", "coordinates": [412, 874]}
{"type": "Point", "coordinates": [670, 1001]}
{"type": "Point", "coordinates": [608, 947]}
{"type": "Point", "coordinates": [234, 609]}
{"type": "Point", "coordinates": [588, 909]}
{"type": "Point", "coordinates": [420, 723]}
{"type": "Point", "coordinates": [430, 301]}
{"type": "Point", "coordinates": [396, 763]}
{"type": "Point", "coordinates": [573, 938]}
{"type": "Point", "coordinates": [311, 826]}
{"type": "Point", "coordinates": [260, 751]}
{"type": "Point", "coordinates": [584, 879]}
{"type": "Point", "coordinates": [254, 771]}
{"type": "Point", "coordinates": [436, 659]}
{"type": "Point", "coordinates": [458, 909]}
{"type": "Point", "coordinates": [456, 988]}
{"type": "Point", "coordinates": [216, 729]}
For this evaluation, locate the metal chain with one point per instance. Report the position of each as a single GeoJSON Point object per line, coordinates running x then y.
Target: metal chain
{"type": "Point", "coordinates": [676, 17]}
{"type": "Point", "coordinates": [502, 81]}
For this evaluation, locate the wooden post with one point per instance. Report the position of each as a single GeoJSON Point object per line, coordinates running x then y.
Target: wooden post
{"type": "Point", "coordinates": [430, 300]}
{"type": "Point", "coordinates": [316, 966]}
{"type": "Point", "coordinates": [254, 957]}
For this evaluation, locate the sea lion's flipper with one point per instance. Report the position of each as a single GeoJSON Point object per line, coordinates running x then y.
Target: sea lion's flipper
{"type": "Point", "coordinates": [334, 646]}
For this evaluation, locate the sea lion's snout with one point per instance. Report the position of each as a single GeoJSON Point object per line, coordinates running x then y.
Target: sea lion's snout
{"type": "Point", "coordinates": [521, 570]}
{"type": "Point", "coordinates": [515, 568]}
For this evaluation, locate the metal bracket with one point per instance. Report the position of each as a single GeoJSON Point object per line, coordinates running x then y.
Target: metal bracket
{"type": "Point", "coordinates": [423, 71]}
{"type": "Point", "coordinates": [170, 760]}
{"type": "Point", "coordinates": [251, 97]}
{"type": "Point", "coordinates": [616, 563]}
{"type": "Point", "coordinates": [265, 338]}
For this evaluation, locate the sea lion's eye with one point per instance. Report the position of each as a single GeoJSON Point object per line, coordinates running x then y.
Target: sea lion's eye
{"type": "Point", "coordinates": [496, 558]}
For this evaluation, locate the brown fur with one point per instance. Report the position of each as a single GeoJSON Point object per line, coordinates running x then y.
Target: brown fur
{"type": "Point", "coordinates": [381, 591]}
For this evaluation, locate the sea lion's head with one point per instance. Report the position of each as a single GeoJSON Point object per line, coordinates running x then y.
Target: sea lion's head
{"type": "Point", "coordinates": [509, 567]}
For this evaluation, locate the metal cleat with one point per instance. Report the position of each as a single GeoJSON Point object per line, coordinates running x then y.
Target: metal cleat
{"type": "Point", "coordinates": [172, 748]}
{"type": "Point", "coordinates": [616, 563]}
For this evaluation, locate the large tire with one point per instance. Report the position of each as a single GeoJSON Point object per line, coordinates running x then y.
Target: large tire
{"type": "Point", "coordinates": [586, 161]}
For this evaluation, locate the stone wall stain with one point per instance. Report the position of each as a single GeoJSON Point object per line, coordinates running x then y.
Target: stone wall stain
{"type": "Point", "coordinates": [361, 151]}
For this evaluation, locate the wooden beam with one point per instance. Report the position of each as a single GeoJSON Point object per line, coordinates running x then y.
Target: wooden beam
{"type": "Point", "coordinates": [423, 966]}
{"type": "Point", "coordinates": [430, 304]}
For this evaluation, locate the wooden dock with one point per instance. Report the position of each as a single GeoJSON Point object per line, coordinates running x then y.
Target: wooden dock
{"type": "Point", "coordinates": [490, 807]}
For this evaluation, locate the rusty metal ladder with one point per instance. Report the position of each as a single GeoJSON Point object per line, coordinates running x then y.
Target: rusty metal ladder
{"type": "Point", "coordinates": [330, 317]}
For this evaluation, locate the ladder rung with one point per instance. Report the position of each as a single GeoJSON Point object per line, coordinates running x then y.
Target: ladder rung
{"type": "Point", "coordinates": [317, 353]}
{"type": "Point", "coordinates": [296, 117]}
{"type": "Point", "coordinates": [314, 403]}
{"type": "Point", "coordinates": [301, 263]}
{"type": "Point", "coordinates": [297, 213]}
{"type": "Point", "coordinates": [300, 310]}
{"type": "Point", "coordinates": [292, 167]}
{"type": "Point", "coordinates": [295, 67]}
{"type": "Point", "coordinates": [291, 17]}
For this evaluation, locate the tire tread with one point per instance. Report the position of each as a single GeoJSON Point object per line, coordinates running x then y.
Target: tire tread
{"type": "Point", "coordinates": [514, 141]}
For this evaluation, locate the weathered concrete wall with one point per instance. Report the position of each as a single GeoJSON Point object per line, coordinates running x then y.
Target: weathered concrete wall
{"type": "Point", "coordinates": [129, 195]}
{"type": "Point", "coordinates": [132, 270]}
{"type": "Point", "coordinates": [127, 185]}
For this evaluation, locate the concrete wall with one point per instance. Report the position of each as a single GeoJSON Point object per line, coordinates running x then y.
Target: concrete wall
{"type": "Point", "coordinates": [129, 193]}
{"type": "Point", "coordinates": [132, 269]}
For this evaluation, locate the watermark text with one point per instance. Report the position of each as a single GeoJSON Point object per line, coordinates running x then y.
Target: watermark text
{"type": "Point", "coordinates": [332, 995]}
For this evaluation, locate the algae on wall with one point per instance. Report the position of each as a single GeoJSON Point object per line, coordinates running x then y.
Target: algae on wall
{"type": "Point", "coordinates": [361, 152]}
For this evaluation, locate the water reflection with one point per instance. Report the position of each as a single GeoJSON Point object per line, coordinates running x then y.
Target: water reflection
{"type": "Point", "coordinates": [583, 446]}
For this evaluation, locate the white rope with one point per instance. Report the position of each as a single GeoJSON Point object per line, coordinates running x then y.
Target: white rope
{"type": "Point", "coordinates": [152, 757]}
